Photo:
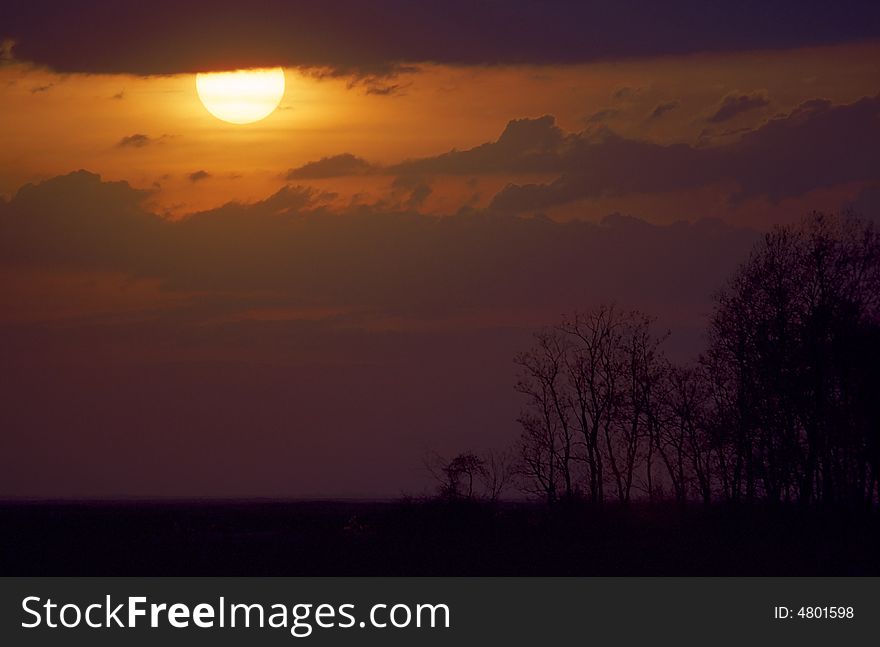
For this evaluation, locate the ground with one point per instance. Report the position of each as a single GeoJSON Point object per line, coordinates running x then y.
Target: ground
{"type": "Point", "coordinates": [429, 538]}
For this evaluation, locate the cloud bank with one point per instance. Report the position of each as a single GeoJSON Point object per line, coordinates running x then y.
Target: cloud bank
{"type": "Point", "coordinates": [278, 343]}
{"type": "Point", "coordinates": [816, 145]}
{"type": "Point", "coordinates": [104, 36]}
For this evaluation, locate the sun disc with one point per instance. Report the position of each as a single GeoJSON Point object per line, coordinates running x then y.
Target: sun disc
{"type": "Point", "coordinates": [243, 96]}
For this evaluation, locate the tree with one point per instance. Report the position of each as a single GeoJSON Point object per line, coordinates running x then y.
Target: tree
{"type": "Point", "coordinates": [499, 472]}
{"type": "Point", "coordinates": [593, 371]}
{"type": "Point", "coordinates": [781, 406]}
{"type": "Point", "coordinates": [547, 441]}
{"type": "Point", "coordinates": [788, 342]}
{"type": "Point", "coordinates": [457, 476]}
{"type": "Point", "coordinates": [684, 440]}
{"type": "Point", "coordinates": [592, 387]}
{"type": "Point", "coordinates": [469, 476]}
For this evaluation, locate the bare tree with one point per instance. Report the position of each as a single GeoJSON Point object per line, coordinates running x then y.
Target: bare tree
{"type": "Point", "coordinates": [458, 476]}
{"type": "Point", "coordinates": [684, 440]}
{"type": "Point", "coordinates": [644, 368]}
{"type": "Point", "coordinates": [781, 406]}
{"type": "Point", "coordinates": [593, 401]}
{"type": "Point", "coordinates": [547, 440]}
{"type": "Point", "coordinates": [592, 370]}
{"type": "Point", "coordinates": [498, 474]}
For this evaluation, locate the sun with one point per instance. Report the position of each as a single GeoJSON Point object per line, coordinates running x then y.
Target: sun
{"type": "Point", "coordinates": [243, 96]}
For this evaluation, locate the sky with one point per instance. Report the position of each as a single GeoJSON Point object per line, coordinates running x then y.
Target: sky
{"type": "Point", "coordinates": [306, 305]}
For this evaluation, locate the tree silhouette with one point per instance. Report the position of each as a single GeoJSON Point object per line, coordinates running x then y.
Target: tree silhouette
{"type": "Point", "coordinates": [779, 408]}
{"type": "Point", "coordinates": [471, 477]}
{"type": "Point", "coordinates": [593, 387]}
{"type": "Point", "coordinates": [792, 352]}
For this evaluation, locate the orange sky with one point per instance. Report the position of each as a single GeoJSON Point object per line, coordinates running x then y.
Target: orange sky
{"type": "Point", "coordinates": [54, 124]}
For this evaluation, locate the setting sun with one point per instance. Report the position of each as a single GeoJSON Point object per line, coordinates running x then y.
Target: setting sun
{"type": "Point", "coordinates": [243, 96]}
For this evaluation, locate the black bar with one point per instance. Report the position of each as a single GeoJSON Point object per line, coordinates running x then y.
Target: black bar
{"type": "Point", "coordinates": [483, 611]}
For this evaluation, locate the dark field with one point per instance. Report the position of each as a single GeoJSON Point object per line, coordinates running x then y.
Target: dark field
{"type": "Point", "coordinates": [428, 538]}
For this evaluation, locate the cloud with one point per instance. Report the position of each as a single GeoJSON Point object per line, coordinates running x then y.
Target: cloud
{"type": "Point", "coordinates": [816, 145]}
{"type": "Point", "coordinates": [80, 221]}
{"type": "Point", "coordinates": [371, 37]}
{"type": "Point", "coordinates": [418, 196]}
{"type": "Point", "coordinates": [77, 220]}
{"type": "Point", "coordinates": [138, 140]}
{"type": "Point", "coordinates": [361, 74]}
{"type": "Point", "coordinates": [376, 80]}
{"type": "Point", "coordinates": [341, 165]}
{"type": "Point", "coordinates": [198, 175]}
{"type": "Point", "coordinates": [602, 115]}
{"type": "Point", "coordinates": [608, 164]}
{"type": "Point", "coordinates": [385, 90]}
{"type": "Point", "coordinates": [415, 188]}
{"type": "Point", "coordinates": [662, 109]}
{"type": "Point", "coordinates": [525, 145]}
{"type": "Point", "coordinates": [363, 257]}
{"type": "Point", "coordinates": [624, 92]}
{"type": "Point", "coordinates": [380, 85]}
{"type": "Point", "coordinates": [734, 105]}
{"type": "Point", "coordinates": [407, 182]}
{"type": "Point", "coordinates": [277, 331]}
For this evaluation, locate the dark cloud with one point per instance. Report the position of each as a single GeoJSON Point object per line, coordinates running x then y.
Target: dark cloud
{"type": "Point", "coordinates": [366, 256]}
{"type": "Point", "coordinates": [364, 74]}
{"type": "Point", "coordinates": [385, 90]}
{"type": "Point", "coordinates": [42, 88]}
{"type": "Point", "coordinates": [407, 182]}
{"type": "Point", "coordinates": [125, 402]}
{"type": "Point", "coordinates": [198, 175]}
{"type": "Point", "coordinates": [624, 92]}
{"type": "Point", "coordinates": [526, 145]}
{"type": "Point", "coordinates": [418, 196]}
{"type": "Point", "coordinates": [376, 36]}
{"type": "Point", "coordinates": [662, 109]}
{"type": "Point", "coordinates": [602, 115]}
{"type": "Point", "coordinates": [608, 164]}
{"type": "Point", "coordinates": [816, 145]}
{"type": "Point", "coordinates": [734, 105]}
{"type": "Point", "coordinates": [416, 190]}
{"type": "Point", "coordinates": [376, 81]}
{"type": "Point", "coordinates": [79, 221]}
{"type": "Point", "coordinates": [138, 140]}
{"type": "Point", "coordinates": [335, 166]}
{"type": "Point", "coordinates": [379, 86]}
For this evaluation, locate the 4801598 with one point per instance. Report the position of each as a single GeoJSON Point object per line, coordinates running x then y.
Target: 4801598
{"type": "Point", "coordinates": [830, 613]}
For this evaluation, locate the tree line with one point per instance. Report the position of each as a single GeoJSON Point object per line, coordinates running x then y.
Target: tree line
{"type": "Point", "coordinates": [783, 404]}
